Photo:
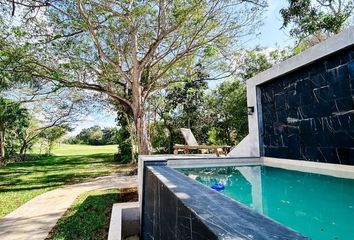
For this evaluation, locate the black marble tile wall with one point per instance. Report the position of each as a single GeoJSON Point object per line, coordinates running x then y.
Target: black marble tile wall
{"type": "Point", "coordinates": [165, 217]}
{"type": "Point", "coordinates": [309, 114]}
{"type": "Point", "coordinates": [176, 207]}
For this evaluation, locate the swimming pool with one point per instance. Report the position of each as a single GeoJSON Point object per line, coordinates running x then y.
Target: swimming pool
{"type": "Point", "coordinates": [318, 206]}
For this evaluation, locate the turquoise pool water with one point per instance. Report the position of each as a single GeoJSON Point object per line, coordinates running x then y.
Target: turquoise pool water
{"type": "Point", "coordinates": [320, 207]}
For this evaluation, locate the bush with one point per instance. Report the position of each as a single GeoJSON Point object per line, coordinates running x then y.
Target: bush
{"type": "Point", "coordinates": [124, 154]}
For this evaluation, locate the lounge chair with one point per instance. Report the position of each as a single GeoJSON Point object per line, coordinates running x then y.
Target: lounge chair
{"type": "Point", "coordinates": [192, 144]}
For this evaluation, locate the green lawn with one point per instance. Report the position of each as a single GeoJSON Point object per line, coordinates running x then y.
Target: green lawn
{"type": "Point", "coordinates": [89, 216]}
{"type": "Point", "coordinates": [69, 150]}
{"type": "Point", "coordinates": [21, 181]}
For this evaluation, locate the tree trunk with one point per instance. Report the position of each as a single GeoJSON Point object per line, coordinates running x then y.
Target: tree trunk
{"type": "Point", "coordinates": [170, 139]}
{"type": "Point", "coordinates": [132, 141]}
{"type": "Point", "coordinates": [131, 127]}
{"type": "Point", "coordinates": [2, 146]}
{"type": "Point", "coordinates": [23, 148]}
{"type": "Point", "coordinates": [138, 114]}
{"type": "Point", "coordinates": [50, 147]}
{"type": "Point", "coordinates": [142, 135]}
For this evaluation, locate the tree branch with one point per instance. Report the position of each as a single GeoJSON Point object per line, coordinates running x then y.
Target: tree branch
{"type": "Point", "coordinates": [101, 52]}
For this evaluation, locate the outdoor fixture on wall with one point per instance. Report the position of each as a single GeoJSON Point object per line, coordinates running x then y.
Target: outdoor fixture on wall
{"type": "Point", "coordinates": [250, 110]}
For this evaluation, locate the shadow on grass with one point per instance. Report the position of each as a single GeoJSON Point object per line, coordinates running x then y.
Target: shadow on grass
{"type": "Point", "coordinates": [22, 181]}
{"type": "Point", "coordinates": [53, 171]}
{"type": "Point", "coordinates": [89, 217]}
{"type": "Point", "coordinates": [48, 181]}
{"type": "Point", "coordinates": [60, 160]}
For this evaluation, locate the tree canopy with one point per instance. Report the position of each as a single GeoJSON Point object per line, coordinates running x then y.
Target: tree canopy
{"type": "Point", "coordinates": [128, 49]}
{"type": "Point", "coordinates": [316, 20]}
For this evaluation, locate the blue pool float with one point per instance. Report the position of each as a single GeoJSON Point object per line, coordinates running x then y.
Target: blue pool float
{"type": "Point", "coordinates": [218, 186]}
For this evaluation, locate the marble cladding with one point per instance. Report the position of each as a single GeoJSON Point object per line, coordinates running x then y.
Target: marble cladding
{"type": "Point", "coordinates": [177, 207]}
{"type": "Point", "coordinates": [308, 114]}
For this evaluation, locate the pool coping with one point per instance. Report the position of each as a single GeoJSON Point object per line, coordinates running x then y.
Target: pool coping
{"type": "Point", "coordinates": [334, 170]}
{"type": "Point", "coordinates": [330, 169]}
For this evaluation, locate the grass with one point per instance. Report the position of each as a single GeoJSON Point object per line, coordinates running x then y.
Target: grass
{"type": "Point", "coordinates": [70, 150]}
{"type": "Point", "coordinates": [21, 181]}
{"type": "Point", "coordinates": [89, 216]}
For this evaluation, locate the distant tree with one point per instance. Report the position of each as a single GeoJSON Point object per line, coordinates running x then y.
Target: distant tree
{"type": "Point", "coordinates": [311, 21]}
{"type": "Point", "coordinates": [14, 119]}
{"type": "Point", "coordinates": [46, 115]}
{"type": "Point", "coordinates": [95, 135]}
{"type": "Point", "coordinates": [109, 136]}
{"type": "Point", "coordinates": [29, 137]}
{"type": "Point", "coordinates": [91, 135]}
{"type": "Point", "coordinates": [226, 106]}
{"type": "Point", "coordinates": [227, 109]}
{"type": "Point", "coordinates": [186, 100]}
{"type": "Point", "coordinates": [51, 135]}
{"type": "Point", "coordinates": [161, 138]}
{"type": "Point", "coordinates": [251, 62]}
{"type": "Point", "coordinates": [179, 106]}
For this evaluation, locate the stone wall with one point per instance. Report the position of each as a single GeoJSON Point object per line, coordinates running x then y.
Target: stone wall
{"type": "Point", "coordinates": [308, 114]}
{"type": "Point", "coordinates": [165, 216]}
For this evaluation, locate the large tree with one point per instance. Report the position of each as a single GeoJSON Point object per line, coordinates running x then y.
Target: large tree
{"type": "Point", "coordinates": [127, 49]}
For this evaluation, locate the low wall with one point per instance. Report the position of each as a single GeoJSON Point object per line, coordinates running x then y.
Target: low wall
{"type": "Point", "coordinates": [125, 221]}
{"type": "Point", "coordinates": [177, 207]}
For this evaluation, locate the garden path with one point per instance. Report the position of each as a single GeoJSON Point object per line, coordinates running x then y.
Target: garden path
{"type": "Point", "coordinates": [35, 219]}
